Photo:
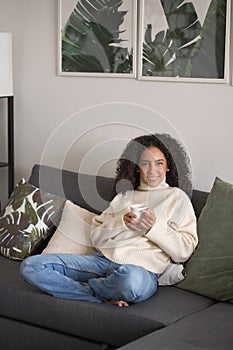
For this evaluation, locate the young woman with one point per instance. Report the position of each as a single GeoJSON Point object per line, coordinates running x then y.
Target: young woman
{"type": "Point", "coordinates": [131, 253]}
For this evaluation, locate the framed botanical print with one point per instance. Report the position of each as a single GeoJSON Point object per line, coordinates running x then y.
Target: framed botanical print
{"type": "Point", "coordinates": [184, 40]}
{"type": "Point", "coordinates": [97, 38]}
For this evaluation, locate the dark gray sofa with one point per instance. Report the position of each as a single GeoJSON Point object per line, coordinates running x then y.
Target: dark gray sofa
{"type": "Point", "coordinates": [172, 319]}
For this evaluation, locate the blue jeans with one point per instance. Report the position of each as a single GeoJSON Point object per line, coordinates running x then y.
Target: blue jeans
{"type": "Point", "coordinates": [91, 278]}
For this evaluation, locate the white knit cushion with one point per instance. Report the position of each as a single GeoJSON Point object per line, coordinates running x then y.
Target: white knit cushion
{"type": "Point", "coordinates": [73, 233]}
{"type": "Point", "coordinates": [173, 274]}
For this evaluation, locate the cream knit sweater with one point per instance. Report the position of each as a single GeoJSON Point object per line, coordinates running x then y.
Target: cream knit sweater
{"type": "Point", "coordinates": [173, 236]}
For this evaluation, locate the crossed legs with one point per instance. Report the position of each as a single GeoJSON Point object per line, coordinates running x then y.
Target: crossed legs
{"type": "Point", "coordinates": [92, 278]}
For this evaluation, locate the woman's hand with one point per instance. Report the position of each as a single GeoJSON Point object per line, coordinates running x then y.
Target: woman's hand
{"type": "Point", "coordinates": [146, 222]}
{"type": "Point", "coordinates": [131, 222]}
{"type": "Point", "coordinates": [147, 219]}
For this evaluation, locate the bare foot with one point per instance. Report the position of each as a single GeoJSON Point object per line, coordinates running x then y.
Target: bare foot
{"type": "Point", "coordinates": [119, 303]}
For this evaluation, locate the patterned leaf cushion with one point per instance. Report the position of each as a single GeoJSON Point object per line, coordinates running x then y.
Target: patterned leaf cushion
{"type": "Point", "coordinates": [30, 217]}
{"type": "Point", "coordinates": [210, 269]}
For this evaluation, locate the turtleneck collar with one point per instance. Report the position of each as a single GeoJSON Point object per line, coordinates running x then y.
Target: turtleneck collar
{"type": "Point", "coordinates": [144, 187]}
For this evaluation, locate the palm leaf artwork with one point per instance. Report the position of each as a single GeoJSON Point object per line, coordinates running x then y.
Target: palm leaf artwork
{"type": "Point", "coordinates": [209, 60]}
{"type": "Point", "coordinates": [91, 39]}
{"type": "Point", "coordinates": [186, 48]}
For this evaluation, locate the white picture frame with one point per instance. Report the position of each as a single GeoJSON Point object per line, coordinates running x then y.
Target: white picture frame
{"type": "Point", "coordinates": [87, 54]}
{"type": "Point", "coordinates": [158, 52]}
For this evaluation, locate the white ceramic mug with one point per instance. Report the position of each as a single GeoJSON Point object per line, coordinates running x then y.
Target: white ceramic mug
{"type": "Point", "coordinates": [138, 209]}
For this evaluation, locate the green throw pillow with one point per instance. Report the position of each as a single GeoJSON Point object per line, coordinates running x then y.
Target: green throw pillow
{"type": "Point", "coordinates": [30, 217]}
{"type": "Point", "coordinates": [210, 269]}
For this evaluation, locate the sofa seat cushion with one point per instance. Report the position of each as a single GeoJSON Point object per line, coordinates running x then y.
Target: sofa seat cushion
{"type": "Point", "coordinates": [209, 329]}
{"type": "Point", "coordinates": [17, 335]}
{"type": "Point", "coordinates": [95, 322]}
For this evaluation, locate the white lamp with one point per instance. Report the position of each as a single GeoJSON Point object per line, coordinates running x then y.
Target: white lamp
{"type": "Point", "coordinates": [6, 76]}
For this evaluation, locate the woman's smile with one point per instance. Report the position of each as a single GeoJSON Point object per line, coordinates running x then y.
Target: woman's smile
{"type": "Point", "coordinates": [152, 166]}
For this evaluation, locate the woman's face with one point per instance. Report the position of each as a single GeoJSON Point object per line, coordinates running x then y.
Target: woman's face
{"type": "Point", "coordinates": [152, 166]}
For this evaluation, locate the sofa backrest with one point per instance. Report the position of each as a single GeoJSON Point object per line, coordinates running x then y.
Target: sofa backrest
{"type": "Point", "coordinates": [88, 191]}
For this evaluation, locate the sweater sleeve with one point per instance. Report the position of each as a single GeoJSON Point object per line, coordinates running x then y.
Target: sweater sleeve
{"type": "Point", "coordinates": [176, 235]}
{"type": "Point", "coordinates": [109, 230]}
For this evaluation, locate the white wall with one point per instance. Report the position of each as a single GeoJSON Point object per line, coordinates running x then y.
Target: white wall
{"type": "Point", "coordinates": [201, 115]}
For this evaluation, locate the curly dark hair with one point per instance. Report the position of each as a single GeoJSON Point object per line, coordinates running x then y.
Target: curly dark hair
{"type": "Point", "coordinates": [127, 174]}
